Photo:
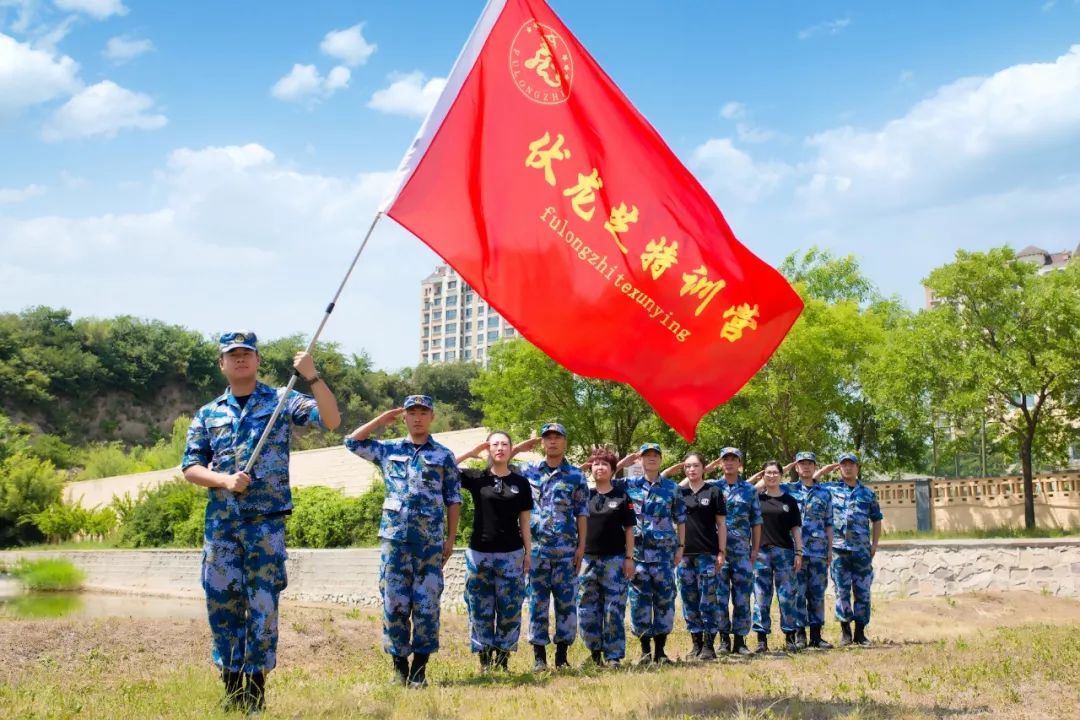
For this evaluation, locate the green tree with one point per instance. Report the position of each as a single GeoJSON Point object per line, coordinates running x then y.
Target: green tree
{"type": "Point", "coordinates": [522, 388]}
{"type": "Point", "coordinates": [28, 485]}
{"type": "Point", "coordinates": [1003, 342]}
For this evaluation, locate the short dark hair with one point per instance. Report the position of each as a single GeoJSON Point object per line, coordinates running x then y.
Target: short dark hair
{"type": "Point", "coordinates": [770, 463]}
{"type": "Point", "coordinates": [603, 454]}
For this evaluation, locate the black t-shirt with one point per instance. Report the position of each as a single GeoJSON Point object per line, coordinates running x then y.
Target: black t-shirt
{"type": "Point", "coordinates": [702, 509]}
{"type": "Point", "coordinates": [242, 400]}
{"type": "Point", "coordinates": [778, 515]}
{"type": "Point", "coordinates": [498, 503]}
{"type": "Point", "coordinates": [609, 516]}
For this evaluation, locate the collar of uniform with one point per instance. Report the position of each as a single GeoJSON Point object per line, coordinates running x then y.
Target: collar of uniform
{"type": "Point", "coordinates": [562, 467]}
{"type": "Point", "coordinates": [261, 389]}
{"type": "Point", "coordinates": [426, 444]}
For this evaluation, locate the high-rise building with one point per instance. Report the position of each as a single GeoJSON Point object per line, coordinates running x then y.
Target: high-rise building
{"type": "Point", "coordinates": [456, 324]}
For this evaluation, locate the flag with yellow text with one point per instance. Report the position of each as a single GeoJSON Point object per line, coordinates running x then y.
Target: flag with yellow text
{"type": "Point", "coordinates": [539, 182]}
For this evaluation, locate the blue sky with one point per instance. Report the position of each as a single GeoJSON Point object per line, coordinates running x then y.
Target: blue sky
{"type": "Point", "coordinates": [215, 164]}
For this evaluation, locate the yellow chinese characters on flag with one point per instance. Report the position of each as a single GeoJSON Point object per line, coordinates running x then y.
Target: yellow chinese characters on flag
{"type": "Point", "coordinates": [556, 200]}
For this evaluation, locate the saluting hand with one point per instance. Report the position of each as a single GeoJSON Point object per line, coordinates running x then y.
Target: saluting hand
{"type": "Point", "coordinates": [526, 445]}
{"type": "Point", "coordinates": [237, 482]}
{"type": "Point", "coordinates": [390, 416]}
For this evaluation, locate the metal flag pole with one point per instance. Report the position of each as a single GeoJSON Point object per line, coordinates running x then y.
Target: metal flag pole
{"type": "Point", "coordinates": [310, 348]}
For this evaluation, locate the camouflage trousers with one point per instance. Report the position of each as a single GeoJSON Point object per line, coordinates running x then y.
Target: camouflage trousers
{"type": "Point", "coordinates": [552, 577]}
{"type": "Point", "coordinates": [652, 599]}
{"type": "Point", "coordinates": [601, 605]}
{"type": "Point", "coordinates": [698, 590]}
{"type": "Point", "coordinates": [810, 583]}
{"type": "Point", "coordinates": [735, 583]}
{"type": "Point", "coordinates": [775, 567]}
{"type": "Point", "coordinates": [243, 573]}
{"type": "Point", "coordinates": [494, 591]}
{"type": "Point", "coordinates": [852, 574]}
{"type": "Point", "coordinates": [411, 583]}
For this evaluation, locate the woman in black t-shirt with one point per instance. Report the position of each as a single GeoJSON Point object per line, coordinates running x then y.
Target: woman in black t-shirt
{"type": "Point", "coordinates": [497, 561]}
{"type": "Point", "coordinates": [778, 561]}
{"type": "Point", "coordinates": [608, 564]}
{"type": "Point", "coordinates": [706, 543]}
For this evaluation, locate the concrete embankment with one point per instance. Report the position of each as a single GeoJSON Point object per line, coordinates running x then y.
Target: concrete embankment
{"type": "Point", "coordinates": [351, 576]}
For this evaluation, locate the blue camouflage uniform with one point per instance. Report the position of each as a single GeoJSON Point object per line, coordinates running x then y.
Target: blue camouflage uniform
{"type": "Point", "coordinates": [560, 497]}
{"type": "Point", "coordinates": [421, 482]}
{"type": "Point", "coordinates": [737, 573]}
{"type": "Point", "coordinates": [660, 509]}
{"type": "Point", "coordinates": [697, 573]}
{"type": "Point", "coordinates": [243, 566]}
{"type": "Point", "coordinates": [853, 511]}
{"type": "Point", "coordinates": [775, 564]}
{"type": "Point", "coordinates": [602, 587]}
{"type": "Point", "coordinates": [815, 505]}
{"type": "Point", "coordinates": [494, 579]}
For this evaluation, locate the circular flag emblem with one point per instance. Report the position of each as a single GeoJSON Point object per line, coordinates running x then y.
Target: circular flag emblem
{"type": "Point", "coordinates": [541, 65]}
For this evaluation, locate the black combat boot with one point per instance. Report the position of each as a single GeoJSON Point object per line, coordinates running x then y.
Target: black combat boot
{"type": "Point", "coordinates": [697, 640]}
{"type": "Point", "coordinates": [401, 669]}
{"type": "Point", "coordinates": [646, 650]}
{"type": "Point", "coordinates": [255, 692]}
{"type": "Point", "coordinates": [560, 656]}
{"type": "Point", "coordinates": [708, 652]}
{"type": "Point", "coordinates": [418, 673]}
{"type": "Point", "coordinates": [763, 642]}
{"type": "Point", "coordinates": [659, 656]}
{"type": "Point", "coordinates": [860, 635]}
{"type": "Point", "coordinates": [738, 645]}
{"type": "Point", "coordinates": [485, 660]}
{"type": "Point", "coordinates": [502, 660]}
{"type": "Point", "coordinates": [800, 639]}
{"type": "Point", "coordinates": [790, 642]}
{"type": "Point", "coordinates": [845, 634]}
{"type": "Point", "coordinates": [725, 644]}
{"type": "Point", "coordinates": [597, 658]}
{"type": "Point", "coordinates": [234, 690]}
{"type": "Point", "coordinates": [539, 658]}
{"type": "Point", "coordinates": [816, 641]}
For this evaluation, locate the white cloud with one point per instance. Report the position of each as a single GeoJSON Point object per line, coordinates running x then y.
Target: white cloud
{"type": "Point", "coordinates": [744, 129]}
{"type": "Point", "coordinates": [11, 196]}
{"type": "Point", "coordinates": [304, 83]}
{"type": "Point", "coordinates": [733, 110]}
{"type": "Point", "coordinates": [981, 162]}
{"type": "Point", "coordinates": [733, 175]}
{"type": "Point", "coordinates": [102, 110]}
{"type": "Point", "coordinates": [30, 76]}
{"type": "Point", "coordinates": [828, 27]}
{"type": "Point", "coordinates": [348, 45]}
{"type": "Point", "coordinates": [121, 49]}
{"type": "Point", "coordinates": [98, 9]}
{"type": "Point", "coordinates": [948, 142]}
{"type": "Point", "coordinates": [408, 94]}
{"type": "Point", "coordinates": [241, 238]}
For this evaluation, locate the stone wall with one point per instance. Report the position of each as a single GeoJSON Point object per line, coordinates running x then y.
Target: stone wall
{"type": "Point", "coordinates": [902, 569]}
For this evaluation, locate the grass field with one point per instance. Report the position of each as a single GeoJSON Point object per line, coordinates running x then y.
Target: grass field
{"type": "Point", "coordinates": [1014, 655]}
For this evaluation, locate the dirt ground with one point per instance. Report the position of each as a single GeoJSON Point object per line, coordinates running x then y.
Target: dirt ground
{"type": "Point", "coordinates": [1013, 655]}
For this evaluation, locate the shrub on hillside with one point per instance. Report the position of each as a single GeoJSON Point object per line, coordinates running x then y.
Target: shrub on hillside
{"type": "Point", "coordinates": [322, 517]}
{"type": "Point", "coordinates": [28, 485]}
{"type": "Point", "coordinates": [162, 517]}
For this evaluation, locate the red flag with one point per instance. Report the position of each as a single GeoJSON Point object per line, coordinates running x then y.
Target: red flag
{"type": "Point", "coordinates": [539, 182]}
